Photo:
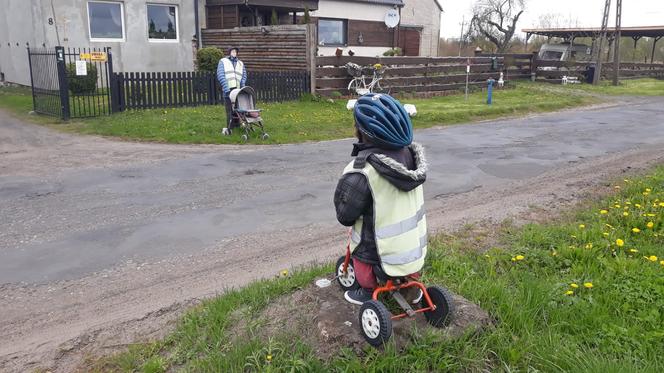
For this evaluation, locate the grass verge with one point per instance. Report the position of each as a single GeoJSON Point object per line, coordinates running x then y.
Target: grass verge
{"type": "Point", "coordinates": [583, 293]}
{"type": "Point", "coordinates": [293, 122]}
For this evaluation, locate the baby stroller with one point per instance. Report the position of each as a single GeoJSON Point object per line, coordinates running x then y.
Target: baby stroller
{"type": "Point", "coordinates": [245, 114]}
{"type": "Point", "coordinates": [375, 319]}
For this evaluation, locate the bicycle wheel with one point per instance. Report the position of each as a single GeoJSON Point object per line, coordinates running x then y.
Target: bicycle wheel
{"type": "Point", "coordinates": [353, 85]}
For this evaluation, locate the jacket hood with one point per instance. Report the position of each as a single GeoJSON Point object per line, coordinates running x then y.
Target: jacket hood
{"type": "Point", "coordinates": [397, 173]}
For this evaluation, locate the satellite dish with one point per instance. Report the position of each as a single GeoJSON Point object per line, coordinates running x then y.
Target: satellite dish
{"type": "Point", "coordinates": [392, 18]}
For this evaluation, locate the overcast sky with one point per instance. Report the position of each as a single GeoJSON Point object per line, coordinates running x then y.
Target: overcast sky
{"type": "Point", "coordinates": [588, 13]}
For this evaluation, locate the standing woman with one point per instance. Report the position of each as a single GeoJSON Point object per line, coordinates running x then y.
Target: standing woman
{"type": "Point", "coordinates": [231, 74]}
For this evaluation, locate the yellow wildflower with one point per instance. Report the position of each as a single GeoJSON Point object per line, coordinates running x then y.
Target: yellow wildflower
{"type": "Point", "coordinates": [650, 224]}
{"type": "Point", "coordinates": [636, 230]}
{"type": "Point", "coordinates": [617, 206]}
{"type": "Point", "coordinates": [609, 225]}
{"type": "Point", "coordinates": [651, 215]}
{"type": "Point", "coordinates": [620, 242]}
{"type": "Point", "coordinates": [284, 272]}
{"type": "Point", "coordinates": [605, 234]}
{"type": "Point", "coordinates": [487, 255]}
{"type": "Point", "coordinates": [603, 212]}
{"type": "Point", "coordinates": [513, 259]}
{"type": "Point", "coordinates": [628, 203]}
{"type": "Point", "coordinates": [573, 236]}
{"type": "Point", "coordinates": [520, 257]}
{"type": "Point", "coordinates": [574, 285]}
{"type": "Point", "coordinates": [588, 285]}
{"type": "Point", "coordinates": [554, 253]}
{"type": "Point", "coordinates": [626, 180]}
{"type": "Point", "coordinates": [269, 357]}
{"type": "Point", "coordinates": [652, 258]}
{"type": "Point", "coordinates": [569, 292]}
{"type": "Point", "coordinates": [634, 251]}
{"type": "Point", "coordinates": [648, 190]}
{"type": "Point", "coordinates": [582, 226]}
{"type": "Point", "coordinates": [625, 213]}
{"type": "Point", "coordinates": [661, 204]}
{"type": "Point", "coordinates": [589, 246]}
{"type": "Point", "coordinates": [638, 206]}
{"type": "Point", "coordinates": [661, 262]}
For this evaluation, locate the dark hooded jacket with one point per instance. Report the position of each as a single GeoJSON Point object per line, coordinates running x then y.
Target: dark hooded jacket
{"type": "Point", "coordinates": [404, 168]}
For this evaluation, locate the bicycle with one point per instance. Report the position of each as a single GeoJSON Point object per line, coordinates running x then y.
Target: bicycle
{"type": "Point", "coordinates": [359, 82]}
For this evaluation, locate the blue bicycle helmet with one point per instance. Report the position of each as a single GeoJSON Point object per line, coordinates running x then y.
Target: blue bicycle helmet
{"type": "Point", "coordinates": [383, 121]}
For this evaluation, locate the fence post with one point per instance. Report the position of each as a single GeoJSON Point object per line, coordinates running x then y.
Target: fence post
{"type": "Point", "coordinates": [64, 84]}
{"type": "Point", "coordinates": [113, 83]}
{"type": "Point", "coordinates": [32, 81]}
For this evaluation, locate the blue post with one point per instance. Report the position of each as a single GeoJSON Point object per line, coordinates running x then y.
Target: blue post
{"type": "Point", "coordinates": [491, 81]}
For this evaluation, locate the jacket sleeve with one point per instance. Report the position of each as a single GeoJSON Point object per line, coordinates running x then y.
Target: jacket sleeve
{"type": "Point", "coordinates": [243, 82]}
{"type": "Point", "coordinates": [221, 76]}
{"type": "Point", "coordinates": [352, 198]}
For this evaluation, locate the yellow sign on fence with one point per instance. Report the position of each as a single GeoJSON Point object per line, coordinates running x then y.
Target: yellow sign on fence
{"type": "Point", "coordinates": [85, 56]}
{"type": "Point", "coordinates": [98, 56]}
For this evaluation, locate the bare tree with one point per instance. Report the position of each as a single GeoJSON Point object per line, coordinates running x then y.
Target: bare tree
{"type": "Point", "coordinates": [496, 21]}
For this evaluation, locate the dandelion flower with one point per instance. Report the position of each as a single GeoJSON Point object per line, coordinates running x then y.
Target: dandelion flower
{"type": "Point", "coordinates": [636, 230]}
{"type": "Point", "coordinates": [569, 292]}
{"type": "Point", "coordinates": [617, 206]}
{"type": "Point", "coordinates": [651, 215]}
{"type": "Point", "coordinates": [513, 259]}
{"type": "Point", "coordinates": [573, 236]}
{"type": "Point", "coordinates": [487, 255]}
{"type": "Point", "coordinates": [519, 257]}
{"type": "Point", "coordinates": [625, 213]}
{"type": "Point", "coordinates": [588, 285]}
{"type": "Point", "coordinates": [582, 226]}
{"type": "Point", "coordinates": [661, 204]}
{"type": "Point", "coordinates": [652, 258]}
{"type": "Point", "coordinates": [605, 234]}
{"type": "Point", "coordinates": [620, 242]}
{"type": "Point", "coordinates": [269, 357]}
{"type": "Point", "coordinates": [661, 262]}
{"type": "Point", "coordinates": [634, 251]}
{"type": "Point", "coordinates": [638, 206]}
{"type": "Point", "coordinates": [609, 226]}
{"type": "Point", "coordinates": [628, 203]}
{"type": "Point", "coordinates": [589, 246]}
{"type": "Point", "coordinates": [284, 272]}
{"type": "Point", "coordinates": [603, 212]}
{"type": "Point", "coordinates": [648, 190]}
{"type": "Point", "coordinates": [650, 224]}
{"type": "Point", "coordinates": [575, 286]}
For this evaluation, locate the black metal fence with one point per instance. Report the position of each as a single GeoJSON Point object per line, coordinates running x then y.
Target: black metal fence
{"type": "Point", "coordinates": [80, 83]}
{"type": "Point", "coordinates": [71, 82]}
{"type": "Point", "coordinates": [45, 82]}
{"type": "Point", "coordinates": [175, 89]}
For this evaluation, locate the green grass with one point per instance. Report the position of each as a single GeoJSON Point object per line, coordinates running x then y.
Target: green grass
{"type": "Point", "coordinates": [636, 87]}
{"type": "Point", "coordinates": [524, 283]}
{"type": "Point", "coordinates": [294, 122]}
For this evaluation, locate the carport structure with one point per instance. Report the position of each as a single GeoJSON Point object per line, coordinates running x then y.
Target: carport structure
{"type": "Point", "coordinates": [569, 34]}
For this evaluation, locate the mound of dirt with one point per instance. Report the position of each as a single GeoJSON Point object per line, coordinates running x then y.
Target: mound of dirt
{"type": "Point", "coordinates": [327, 322]}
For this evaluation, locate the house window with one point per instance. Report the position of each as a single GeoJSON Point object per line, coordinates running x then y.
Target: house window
{"type": "Point", "coordinates": [332, 32]}
{"type": "Point", "coordinates": [106, 21]}
{"type": "Point", "coordinates": [162, 22]}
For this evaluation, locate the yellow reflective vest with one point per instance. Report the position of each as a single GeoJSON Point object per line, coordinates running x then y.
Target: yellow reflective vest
{"type": "Point", "coordinates": [399, 223]}
{"type": "Point", "coordinates": [233, 73]}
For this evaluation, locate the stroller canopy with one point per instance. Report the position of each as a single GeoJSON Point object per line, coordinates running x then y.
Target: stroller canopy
{"type": "Point", "coordinates": [244, 98]}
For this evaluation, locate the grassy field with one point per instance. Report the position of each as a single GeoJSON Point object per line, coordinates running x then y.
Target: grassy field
{"type": "Point", "coordinates": [583, 293]}
{"type": "Point", "coordinates": [294, 122]}
{"type": "Point", "coordinates": [637, 87]}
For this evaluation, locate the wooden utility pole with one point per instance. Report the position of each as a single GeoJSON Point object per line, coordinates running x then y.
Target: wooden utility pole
{"type": "Point", "coordinates": [602, 36]}
{"type": "Point", "coordinates": [616, 43]}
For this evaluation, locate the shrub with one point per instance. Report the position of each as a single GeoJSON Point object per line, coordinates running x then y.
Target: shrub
{"type": "Point", "coordinates": [275, 18]}
{"type": "Point", "coordinates": [393, 52]}
{"type": "Point", "coordinates": [83, 84]}
{"type": "Point", "coordinates": [208, 58]}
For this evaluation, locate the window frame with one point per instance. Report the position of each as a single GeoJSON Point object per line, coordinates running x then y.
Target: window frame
{"type": "Point", "coordinates": [122, 21]}
{"type": "Point", "coordinates": [345, 32]}
{"type": "Point", "coordinates": [177, 23]}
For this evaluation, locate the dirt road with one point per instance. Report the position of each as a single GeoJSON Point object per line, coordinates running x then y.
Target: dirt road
{"type": "Point", "coordinates": [105, 242]}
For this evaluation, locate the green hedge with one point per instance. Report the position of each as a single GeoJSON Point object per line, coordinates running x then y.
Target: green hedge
{"type": "Point", "coordinates": [82, 84]}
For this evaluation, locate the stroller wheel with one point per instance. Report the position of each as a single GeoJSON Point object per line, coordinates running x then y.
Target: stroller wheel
{"type": "Point", "coordinates": [265, 136]}
{"type": "Point", "coordinates": [244, 138]}
{"type": "Point", "coordinates": [347, 282]}
{"type": "Point", "coordinates": [444, 311]}
{"type": "Point", "coordinates": [375, 322]}
{"type": "Point", "coordinates": [225, 132]}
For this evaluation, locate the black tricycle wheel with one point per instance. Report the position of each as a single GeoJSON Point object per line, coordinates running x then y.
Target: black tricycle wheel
{"type": "Point", "coordinates": [348, 281]}
{"type": "Point", "coordinates": [444, 311]}
{"type": "Point", "coordinates": [375, 323]}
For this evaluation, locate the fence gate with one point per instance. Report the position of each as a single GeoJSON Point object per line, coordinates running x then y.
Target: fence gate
{"type": "Point", "coordinates": [71, 82]}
